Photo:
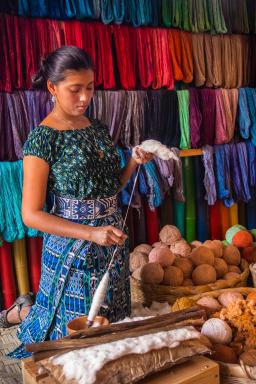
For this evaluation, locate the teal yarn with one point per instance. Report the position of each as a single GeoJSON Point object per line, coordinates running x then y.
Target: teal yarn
{"type": "Point", "coordinates": [11, 224]}
{"type": "Point", "coordinates": [154, 196]}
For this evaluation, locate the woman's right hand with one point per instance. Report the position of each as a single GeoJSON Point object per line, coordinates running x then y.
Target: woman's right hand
{"type": "Point", "coordinates": [108, 235]}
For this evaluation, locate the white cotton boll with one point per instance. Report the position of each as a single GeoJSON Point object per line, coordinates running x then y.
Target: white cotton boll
{"type": "Point", "coordinates": [158, 149]}
{"type": "Point", "coordinates": [217, 330]}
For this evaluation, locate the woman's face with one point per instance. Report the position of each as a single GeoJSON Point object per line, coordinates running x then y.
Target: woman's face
{"type": "Point", "coordinates": [74, 93]}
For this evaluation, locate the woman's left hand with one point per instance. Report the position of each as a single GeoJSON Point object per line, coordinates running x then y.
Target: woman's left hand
{"type": "Point", "coordinates": [140, 156]}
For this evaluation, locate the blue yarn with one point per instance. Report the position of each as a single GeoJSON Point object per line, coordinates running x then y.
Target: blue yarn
{"type": "Point", "coordinates": [251, 99]}
{"type": "Point", "coordinates": [55, 10]}
{"type": "Point", "coordinates": [251, 162]}
{"type": "Point", "coordinates": [84, 9]}
{"type": "Point", "coordinates": [38, 8]}
{"type": "Point", "coordinates": [118, 11]}
{"type": "Point", "coordinates": [23, 8]}
{"type": "Point", "coordinates": [244, 171]}
{"type": "Point", "coordinates": [148, 181]}
{"type": "Point", "coordinates": [155, 197]}
{"type": "Point", "coordinates": [142, 184]}
{"type": "Point", "coordinates": [243, 114]}
{"type": "Point", "coordinates": [69, 9]}
{"type": "Point", "coordinates": [223, 192]}
{"type": "Point", "coordinates": [139, 12]}
{"type": "Point", "coordinates": [107, 15]}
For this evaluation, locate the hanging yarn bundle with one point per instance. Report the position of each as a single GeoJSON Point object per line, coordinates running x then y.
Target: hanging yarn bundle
{"type": "Point", "coordinates": [11, 225]}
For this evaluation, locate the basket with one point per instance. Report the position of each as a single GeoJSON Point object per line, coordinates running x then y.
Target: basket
{"type": "Point", "coordinates": [253, 272]}
{"type": "Point", "coordinates": [230, 373]}
{"type": "Point", "coordinates": [10, 369]}
{"type": "Point", "coordinates": [233, 374]}
{"type": "Point", "coordinates": [181, 304]}
{"type": "Point", "coordinates": [146, 293]}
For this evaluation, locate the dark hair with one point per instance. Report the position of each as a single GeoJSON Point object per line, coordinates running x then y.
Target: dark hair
{"type": "Point", "coordinates": [57, 62]}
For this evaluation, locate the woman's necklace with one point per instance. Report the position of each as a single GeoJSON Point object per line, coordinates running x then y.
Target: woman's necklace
{"type": "Point", "coordinates": [70, 124]}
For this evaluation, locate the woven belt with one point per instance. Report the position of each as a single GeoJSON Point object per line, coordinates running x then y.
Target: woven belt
{"type": "Point", "coordinates": [74, 209]}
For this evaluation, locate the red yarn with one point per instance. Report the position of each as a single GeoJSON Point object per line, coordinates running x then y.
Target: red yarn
{"type": "Point", "coordinates": [7, 275]}
{"type": "Point", "coordinates": [125, 45]}
{"type": "Point", "coordinates": [104, 59]}
{"type": "Point", "coordinates": [152, 225]}
{"type": "Point", "coordinates": [34, 249]}
{"type": "Point", "coordinates": [144, 55]}
{"type": "Point", "coordinates": [215, 227]}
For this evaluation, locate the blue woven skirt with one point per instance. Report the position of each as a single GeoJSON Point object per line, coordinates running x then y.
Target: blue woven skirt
{"type": "Point", "coordinates": [71, 271]}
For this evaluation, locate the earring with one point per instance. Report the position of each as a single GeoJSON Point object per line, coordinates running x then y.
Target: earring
{"type": "Point", "coordinates": [53, 99]}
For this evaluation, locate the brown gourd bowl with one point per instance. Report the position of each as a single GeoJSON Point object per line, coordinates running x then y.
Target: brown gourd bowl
{"type": "Point", "coordinates": [80, 323]}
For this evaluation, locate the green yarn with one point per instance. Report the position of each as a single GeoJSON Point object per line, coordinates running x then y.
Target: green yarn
{"type": "Point", "coordinates": [217, 20]}
{"type": "Point", "coordinates": [167, 15]}
{"type": "Point", "coordinates": [232, 231]}
{"type": "Point", "coordinates": [190, 208]}
{"type": "Point", "coordinates": [177, 13]}
{"type": "Point", "coordinates": [186, 11]}
{"type": "Point", "coordinates": [201, 20]}
{"type": "Point", "coordinates": [183, 100]}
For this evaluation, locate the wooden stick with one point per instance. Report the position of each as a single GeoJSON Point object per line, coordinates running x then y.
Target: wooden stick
{"type": "Point", "coordinates": [121, 329]}
{"type": "Point", "coordinates": [102, 330]}
{"type": "Point", "coordinates": [97, 341]}
{"type": "Point", "coordinates": [190, 152]}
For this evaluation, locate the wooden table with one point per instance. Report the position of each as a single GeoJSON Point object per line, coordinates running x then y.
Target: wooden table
{"type": "Point", "coordinates": [198, 370]}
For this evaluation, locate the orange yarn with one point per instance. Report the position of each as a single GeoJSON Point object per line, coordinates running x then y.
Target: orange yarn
{"type": "Point", "coordinates": [186, 57]}
{"type": "Point", "coordinates": [175, 51]}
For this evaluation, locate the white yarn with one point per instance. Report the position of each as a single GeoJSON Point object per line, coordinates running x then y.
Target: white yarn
{"type": "Point", "coordinates": [82, 365]}
{"type": "Point", "coordinates": [158, 149]}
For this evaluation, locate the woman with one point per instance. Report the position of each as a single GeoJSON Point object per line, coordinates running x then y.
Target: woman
{"type": "Point", "coordinates": [71, 160]}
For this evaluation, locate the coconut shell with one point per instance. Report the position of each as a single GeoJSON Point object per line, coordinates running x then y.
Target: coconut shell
{"type": "Point", "coordinates": [145, 248]}
{"type": "Point", "coordinates": [232, 255]}
{"type": "Point", "coordinates": [169, 234]}
{"type": "Point", "coordinates": [196, 244]}
{"type": "Point", "coordinates": [137, 260]}
{"type": "Point", "coordinates": [185, 265]}
{"type": "Point", "coordinates": [159, 244]}
{"type": "Point", "coordinates": [220, 266]}
{"type": "Point", "coordinates": [204, 274]}
{"type": "Point", "coordinates": [202, 255]}
{"type": "Point", "coordinates": [161, 255]}
{"type": "Point", "coordinates": [152, 273]}
{"type": "Point", "coordinates": [181, 248]}
{"type": "Point", "coordinates": [215, 247]}
{"type": "Point", "coordinates": [173, 276]}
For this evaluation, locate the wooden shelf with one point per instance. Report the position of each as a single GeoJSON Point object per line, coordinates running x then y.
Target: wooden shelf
{"type": "Point", "coordinates": [190, 152]}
